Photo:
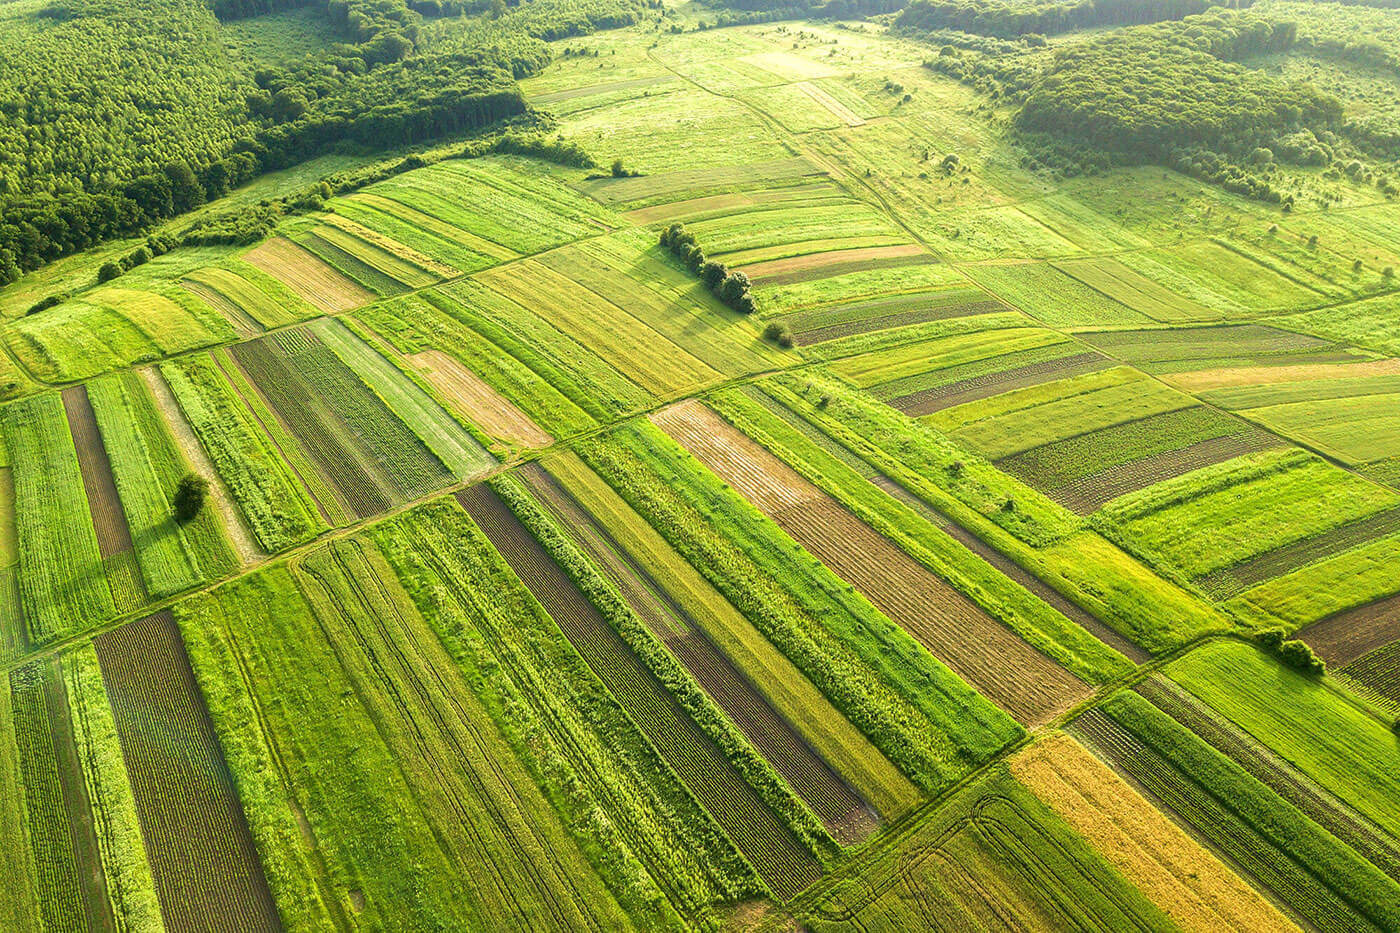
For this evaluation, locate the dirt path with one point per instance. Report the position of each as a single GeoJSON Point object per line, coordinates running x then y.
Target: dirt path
{"type": "Point", "coordinates": [230, 515]}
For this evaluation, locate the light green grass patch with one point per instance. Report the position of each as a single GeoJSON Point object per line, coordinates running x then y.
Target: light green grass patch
{"type": "Point", "coordinates": [924, 356]}
{"type": "Point", "coordinates": [1354, 430]}
{"type": "Point", "coordinates": [1335, 584]}
{"type": "Point", "coordinates": [1049, 295]}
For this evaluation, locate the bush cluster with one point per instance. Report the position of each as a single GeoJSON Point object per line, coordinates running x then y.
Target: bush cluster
{"type": "Point", "coordinates": [728, 286]}
{"type": "Point", "coordinates": [1296, 654]}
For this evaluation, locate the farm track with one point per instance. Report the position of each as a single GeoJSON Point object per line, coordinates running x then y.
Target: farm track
{"type": "Point", "coordinates": [1343, 638]}
{"type": "Point", "coordinates": [398, 671]}
{"type": "Point", "coordinates": [989, 656]}
{"type": "Point", "coordinates": [1323, 808]}
{"type": "Point", "coordinates": [1048, 594]}
{"type": "Point", "coordinates": [1292, 885]}
{"type": "Point", "coordinates": [230, 515]}
{"type": "Point", "coordinates": [785, 866]}
{"type": "Point", "coordinates": [980, 387]}
{"type": "Point", "coordinates": [205, 866]}
{"type": "Point", "coordinates": [840, 808]}
{"type": "Point", "coordinates": [1232, 580]}
{"type": "Point", "coordinates": [1090, 493]}
{"type": "Point", "coordinates": [313, 425]}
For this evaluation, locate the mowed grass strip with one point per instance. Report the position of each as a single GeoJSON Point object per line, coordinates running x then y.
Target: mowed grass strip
{"type": "Point", "coordinates": [278, 508]}
{"type": "Point", "coordinates": [1018, 420]}
{"type": "Point", "coordinates": [1051, 296]}
{"type": "Point", "coordinates": [1121, 284]}
{"type": "Point", "coordinates": [147, 465]}
{"type": "Point", "coordinates": [206, 866]}
{"type": "Point", "coordinates": [439, 431]}
{"type": "Point", "coordinates": [891, 367]}
{"type": "Point", "coordinates": [1186, 880]}
{"type": "Point", "coordinates": [464, 250]}
{"type": "Point", "coordinates": [249, 294]}
{"type": "Point", "coordinates": [783, 862]}
{"type": "Point", "coordinates": [61, 578]}
{"type": "Point", "coordinates": [938, 616]}
{"type": "Point", "coordinates": [307, 276]}
{"type": "Point", "coordinates": [630, 346]}
{"type": "Point", "coordinates": [1308, 722]}
{"type": "Point", "coordinates": [1219, 516]}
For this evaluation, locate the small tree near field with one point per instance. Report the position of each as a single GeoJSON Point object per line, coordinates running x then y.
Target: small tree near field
{"type": "Point", "coordinates": [189, 496]}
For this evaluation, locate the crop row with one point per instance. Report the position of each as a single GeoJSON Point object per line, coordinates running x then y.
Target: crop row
{"type": "Point", "coordinates": [904, 700]}
{"type": "Point", "coordinates": [1310, 870]}
{"type": "Point", "coordinates": [1379, 671]}
{"type": "Point", "coordinates": [770, 846]}
{"type": "Point", "coordinates": [314, 426]}
{"type": "Point", "coordinates": [61, 575]}
{"type": "Point", "coordinates": [806, 773]}
{"type": "Point", "coordinates": [60, 895]}
{"type": "Point", "coordinates": [579, 742]}
{"type": "Point", "coordinates": [277, 508]}
{"type": "Point", "coordinates": [206, 865]}
{"type": "Point", "coordinates": [1320, 806]}
{"type": "Point", "coordinates": [335, 251]}
{"type": "Point", "coordinates": [307, 275]}
{"type": "Point", "coordinates": [147, 466]}
{"type": "Point", "coordinates": [516, 865]}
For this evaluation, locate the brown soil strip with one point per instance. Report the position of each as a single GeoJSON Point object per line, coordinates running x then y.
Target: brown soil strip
{"type": "Point", "coordinates": [841, 263]}
{"type": "Point", "coordinates": [491, 411]}
{"type": "Point", "coordinates": [1324, 809]}
{"type": "Point", "coordinates": [982, 651]}
{"type": "Point", "coordinates": [605, 88]}
{"type": "Point", "coordinates": [979, 387]}
{"type": "Point", "coordinates": [230, 516]}
{"type": "Point", "coordinates": [308, 276]}
{"type": "Point", "coordinates": [206, 869]}
{"type": "Point", "coordinates": [785, 866]}
{"type": "Point", "coordinates": [1048, 594]}
{"type": "Point", "coordinates": [1343, 638]}
{"type": "Point", "coordinates": [1098, 489]}
{"type": "Point", "coordinates": [241, 320]}
{"type": "Point", "coordinates": [1172, 869]}
{"type": "Point", "coordinates": [759, 270]}
{"type": "Point", "coordinates": [1378, 673]}
{"type": "Point", "coordinates": [1203, 380]}
{"type": "Point", "coordinates": [845, 815]}
{"type": "Point", "coordinates": [901, 319]}
{"type": "Point", "coordinates": [1226, 583]}
{"type": "Point", "coordinates": [108, 518]}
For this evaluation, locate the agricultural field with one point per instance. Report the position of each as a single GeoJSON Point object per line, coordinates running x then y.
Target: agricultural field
{"type": "Point", "coordinates": [684, 466]}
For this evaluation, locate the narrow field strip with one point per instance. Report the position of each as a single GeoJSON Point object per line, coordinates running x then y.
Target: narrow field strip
{"type": "Point", "coordinates": [785, 866]}
{"type": "Point", "coordinates": [1016, 377]}
{"type": "Point", "coordinates": [307, 276]}
{"type": "Point", "coordinates": [481, 404]}
{"type": "Point", "coordinates": [773, 271]}
{"type": "Point", "coordinates": [938, 616]}
{"type": "Point", "coordinates": [1379, 673]}
{"type": "Point", "coordinates": [241, 320]}
{"type": "Point", "coordinates": [205, 865]}
{"type": "Point", "coordinates": [1174, 870]}
{"type": "Point", "coordinates": [841, 810]}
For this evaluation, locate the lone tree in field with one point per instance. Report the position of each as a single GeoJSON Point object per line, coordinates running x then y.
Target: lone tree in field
{"type": "Point", "coordinates": [189, 496]}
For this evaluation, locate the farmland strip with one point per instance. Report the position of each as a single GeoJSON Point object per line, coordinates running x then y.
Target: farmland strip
{"type": "Point", "coordinates": [53, 835]}
{"type": "Point", "coordinates": [518, 866]}
{"type": "Point", "coordinates": [241, 320]}
{"type": "Point", "coordinates": [1019, 377]}
{"type": "Point", "coordinates": [1379, 672]}
{"type": "Point", "coordinates": [998, 559]}
{"type": "Point", "coordinates": [833, 268]}
{"type": "Point", "coordinates": [108, 518]}
{"type": "Point", "coordinates": [1229, 581]}
{"type": "Point", "coordinates": [1343, 638]}
{"type": "Point", "coordinates": [785, 866]}
{"type": "Point", "coordinates": [942, 619]}
{"type": "Point", "coordinates": [841, 810]}
{"type": "Point", "coordinates": [1326, 810]}
{"type": "Point", "coordinates": [307, 275]}
{"type": "Point", "coordinates": [892, 321]}
{"type": "Point", "coordinates": [307, 419]}
{"type": "Point", "coordinates": [205, 866]}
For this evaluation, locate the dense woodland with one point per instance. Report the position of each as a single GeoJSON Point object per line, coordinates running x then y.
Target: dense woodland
{"type": "Point", "coordinates": [179, 122]}
{"type": "Point", "coordinates": [1045, 17]}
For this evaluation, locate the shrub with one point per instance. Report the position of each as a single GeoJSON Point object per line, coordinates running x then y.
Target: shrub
{"type": "Point", "coordinates": [108, 272]}
{"type": "Point", "coordinates": [189, 496]}
{"type": "Point", "coordinates": [137, 257]}
{"type": "Point", "coordinates": [733, 285]}
{"type": "Point", "coordinates": [43, 304]}
{"type": "Point", "coordinates": [1300, 656]}
{"type": "Point", "coordinates": [712, 273]}
{"type": "Point", "coordinates": [779, 333]}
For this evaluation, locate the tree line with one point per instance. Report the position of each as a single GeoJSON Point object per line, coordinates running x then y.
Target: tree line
{"type": "Point", "coordinates": [1007, 20]}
